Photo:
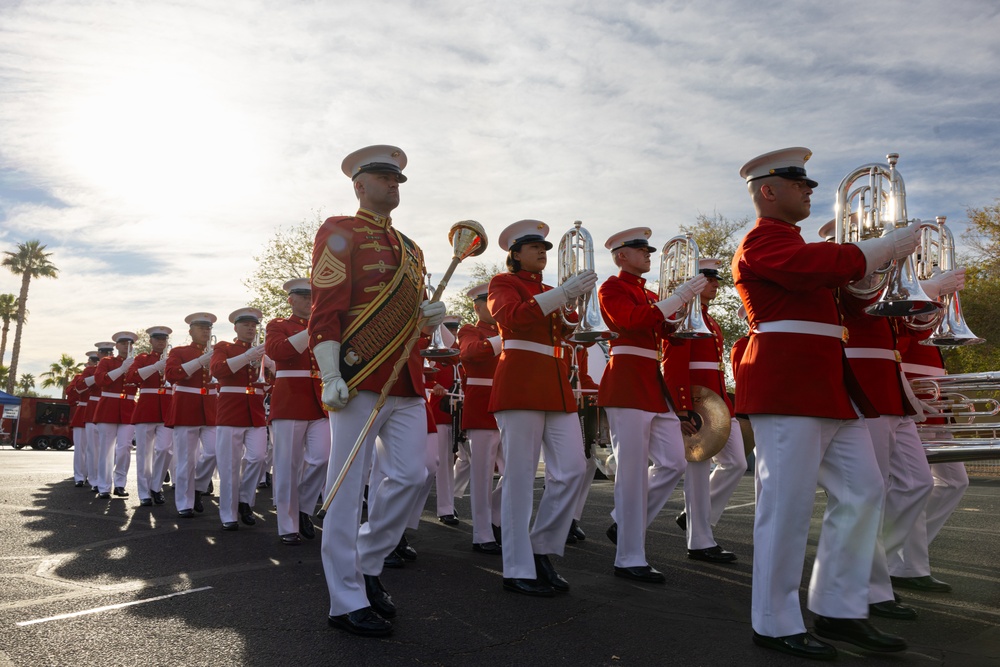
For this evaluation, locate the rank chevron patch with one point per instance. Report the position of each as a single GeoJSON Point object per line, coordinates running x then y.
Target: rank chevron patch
{"type": "Point", "coordinates": [329, 271]}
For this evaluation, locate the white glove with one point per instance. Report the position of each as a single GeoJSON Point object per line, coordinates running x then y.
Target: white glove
{"type": "Point", "coordinates": [433, 315]}
{"type": "Point", "coordinates": [160, 365]}
{"type": "Point", "coordinates": [497, 344]}
{"type": "Point", "coordinates": [146, 371]}
{"type": "Point", "coordinates": [193, 366]}
{"type": "Point", "coordinates": [682, 295]}
{"type": "Point", "coordinates": [551, 300]}
{"type": "Point", "coordinates": [238, 362]}
{"type": "Point", "coordinates": [897, 244]}
{"type": "Point", "coordinates": [269, 364]}
{"type": "Point", "coordinates": [579, 284]}
{"type": "Point", "coordinates": [89, 381]}
{"type": "Point", "coordinates": [335, 392]}
{"type": "Point", "coordinates": [205, 360]}
{"type": "Point", "coordinates": [300, 341]}
{"type": "Point", "coordinates": [255, 353]}
{"type": "Point", "coordinates": [944, 283]}
{"type": "Point", "coordinates": [121, 370]}
{"type": "Point", "coordinates": [922, 408]}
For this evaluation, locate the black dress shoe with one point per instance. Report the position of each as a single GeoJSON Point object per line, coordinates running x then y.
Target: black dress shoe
{"type": "Point", "coordinates": [571, 538]}
{"type": "Point", "coordinates": [612, 533]}
{"type": "Point", "coordinates": [379, 598]}
{"type": "Point", "coordinates": [364, 622]}
{"type": "Point", "coordinates": [714, 554]}
{"type": "Point", "coordinates": [491, 548]}
{"type": "Point", "coordinates": [104, 495]}
{"type": "Point", "coordinates": [94, 489]}
{"type": "Point", "coordinates": [186, 514]}
{"type": "Point", "coordinates": [532, 587]}
{"type": "Point", "coordinates": [393, 560]}
{"type": "Point", "coordinates": [198, 506]}
{"type": "Point", "coordinates": [146, 502]}
{"type": "Point", "coordinates": [448, 519]}
{"type": "Point", "coordinates": [641, 573]}
{"type": "Point", "coordinates": [246, 514]}
{"type": "Point", "coordinates": [547, 574]}
{"type": "Point", "coordinates": [928, 584]}
{"type": "Point", "coordinates": [892, 609]}
{"type": "Point", "coordinates": [291, 539]}
{"type": "Point", "coordinates": [121, 492]}
{"type": "Point", "coordinates": [306, 528]}
{"type": "Point", "coordinates": [404, 550]}
{"type": "Point", "coordinates": [803, 645]}
{"type": "Point", "coordinates": [576, 531]}
{"type": "Point", "coordinates": [497, 533]}
{"type": "Point", "coordinates": [166, 477]}
{"type": "Point", "coordinates": [682, 521]}
{"type": "Point", "coordinates": [860, 632]}
{"type": "Point", "coordinates": [80, 484]}
{"type": "Point", "coordinates": [157, 497]}
{"type": "Point", "coordinates": [230, 525]}
{"type": "Point", "coordinates": [211, 488]}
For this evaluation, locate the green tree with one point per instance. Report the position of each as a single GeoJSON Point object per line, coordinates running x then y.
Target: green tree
{"type": "Point", "coordinates": [8, 312]}
{"type": "Point", "coordinates": [287, 255]}
{"type": "Point", "coordinates": [29, 261]}
{"type": "Point", "coordinates": [459, 304]}
{"type": "Point", "coordinates": [4, 374]}
{"type": "Point", "coordinates": [60, 373]}
{"type": "Point", "coordinates": [981, 297]}
{"type": "Point", "coordinates": [26, 385]}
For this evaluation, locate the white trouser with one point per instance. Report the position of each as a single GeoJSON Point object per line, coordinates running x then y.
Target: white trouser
{"type": "Point", "coordinates": [92, 439]}
{"type": "Point", "coordinates": [908, 484]}
{"type": "Point", "coordinates": [301, 453]}
{"type": "Point", "coordinates": [240, 452]}
{"type": "Point", "coordinates": [794, 454]}
{"type": "Point", "coordinates": [706, 494]}
{"type": "Point", "coordinates": [524, 434]}
{"type": "Point", "coordinates": [79, 453]}
{"type": "Point", "coordinates": [186, 439]}
{"type": "Point", "coordinates": [641, 489]}
{"type": "Point", "coordinates": [430, 463]}
{"type": "Point", "coordinates": [401, 427]}
{"type": "Point", "coordinates": [114, 454]}
{"type": "Point", "coordinates": [463, 462]}
{"type": "Point", "coordinates": [484, 447]}
{"type": "Point", "coordinates": [162, 457]}
{"type": "Point", "coordinates": [205, 468]}
{"type": "Point", "coordinates": [146, 436]}
{"type": "Point", "coordinates": [588, 480]}
{"type": "Point", "coordinates": [912, 560]}
{"type": "Point", "coordinates": [445, 475]}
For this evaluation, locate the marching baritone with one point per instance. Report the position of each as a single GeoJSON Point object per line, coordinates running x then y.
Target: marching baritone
{"type": "Point", "coordinates": [187, 370]}
{"type": "Point", "coordinates": [805, 407]}
{"type": "Point", "coordinates": [240, 424]}
{"type": "Point", "coordinates": [113, 417]}
{"type": "Point", "coordinates": [643, 428]}
{"type": "Point", "coordinates": [104, 349]}
{"type": "Point", "coordinates": [77, 391]}
{"type": "Point", "coordinates": [535, 408]}
{"type": "Point", "coordinates": [299, 426]}
{"type": "Point", "coordinates": [367, 292]}
{"type": "Point", "coordinates": [693, 362]}
{"type": "Point", "coordinates": [152, 439]}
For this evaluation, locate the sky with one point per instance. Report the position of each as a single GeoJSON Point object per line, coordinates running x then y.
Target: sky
{"type": "Point", "coordinates": [155, 148]}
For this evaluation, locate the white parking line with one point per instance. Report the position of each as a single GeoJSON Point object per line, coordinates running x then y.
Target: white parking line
{"type": "Point", "coordinates": [109, 607]}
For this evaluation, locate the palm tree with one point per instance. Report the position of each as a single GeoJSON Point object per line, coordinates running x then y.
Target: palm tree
{"type": "Point", "coordinates": [61, 373]}
{"type": "Point", "coordinates": [30, 261]}
{"type": "Point", "coordinates": [4, 371]}
{"type": "Point", "coordinates": [8, 312]}
{"type": "Point", "coordinates": [26, 384]}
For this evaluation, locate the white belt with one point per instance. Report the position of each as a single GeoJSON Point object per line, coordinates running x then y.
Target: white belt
{"type": "Point", "coordinates": [634, 351]}
{"type": "Point", "coordinates": [190, 390]}
{"type": "Point", "coordinates": [161, 390]}
{"type": "Point", "coordinates": [871, 353]}
{"type": "Point", "coordinates": [537, 348]}
{"type": "Point", "coordinates": [706, 366]}
{"type": "Point", "coordinates": [920, 369]}
{"type": "Point", "coordinates": [479, 382]}
{"type": "Point", "coordinates": [803, 327]}
{"type": "Point", "coordinates": [96, 398]}
{"type": "Point", "coordinates": [241, 390]}
{"type": "Point", "coordinates": [108, 394]}
{"type": "Point", "coordinates": [297, 374]}
{"type": "Point", "coordinates": [80, 404]}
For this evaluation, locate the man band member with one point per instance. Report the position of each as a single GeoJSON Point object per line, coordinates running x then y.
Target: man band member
{"type": "Point", "coordinates": [187, 370]}
{"type": "Point", "coordinates": [104, 349]}
{"type": "Point", "coordinates": [298, 423]}
{"type": "Point", "coordinates": [634, 397]}
{"type": "Point", "coordinates": [535, 407]}
{"type": "Point", "coordinates": [113, 417]}
{"type": "Point", "coordinates": [699, 361]}
{"type": "Point", "coordinates": [367, 281]}
{"type": "Point", "coordinates": [151, 436]}
{"type": "Point", "coordinates": [804, 405]}
{"type": "Point", "coordinates": [241, 428]}
{"type": "Point", "coordinates": [77, 391]}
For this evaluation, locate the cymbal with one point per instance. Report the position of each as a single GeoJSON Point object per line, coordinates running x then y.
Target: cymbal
{"type": "Point", "coordinates": [714, 425]}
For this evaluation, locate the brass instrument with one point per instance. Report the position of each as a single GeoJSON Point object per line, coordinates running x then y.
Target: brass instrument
{"type": "Point", "coordinates": [869, 211]}
{"type": "Point", "coordinates": [679, 264]}
{"type": "Point", "coordinates": [962, 399]}
{"type": "Point", "coordinates": [576, 255]}
{"type": "Point", "coordinates": [436, 349]}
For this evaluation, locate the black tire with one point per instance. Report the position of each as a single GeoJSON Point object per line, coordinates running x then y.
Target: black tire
{"type": "Point", "coordinates": [40, 442]}
{"type": "Point", "coordinates": [61, 442]}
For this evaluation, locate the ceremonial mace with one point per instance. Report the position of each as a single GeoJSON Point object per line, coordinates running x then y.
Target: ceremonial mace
{"type": "Point", "coordinates": [468, 239]}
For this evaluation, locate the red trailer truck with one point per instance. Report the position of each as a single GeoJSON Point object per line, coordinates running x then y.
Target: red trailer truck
{"type": "Point", "coordinates": [41, 424]}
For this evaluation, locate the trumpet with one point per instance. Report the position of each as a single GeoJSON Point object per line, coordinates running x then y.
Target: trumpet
{"type": "Point", "coordinates": [880, 207]}
{"type": "Point", "coordinates": [679, 264]}
{"type": "Point", "coordinates": [576, 255]}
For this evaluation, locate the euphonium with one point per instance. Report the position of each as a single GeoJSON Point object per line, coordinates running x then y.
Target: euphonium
{"type": "Point", "coordinates": [961, 399]}
{"type": "Point", "coordinates": [576, 255]}
{"type": "Point", "coordinates": [679, 264]}
{"type": "Point", "coordinates": [880, 207]}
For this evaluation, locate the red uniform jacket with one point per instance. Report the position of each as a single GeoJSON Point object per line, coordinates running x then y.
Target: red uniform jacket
{"type": "Point", "coordinates": [117, 396]}
{"type": "Point", "coordinates": [879, 377]}
{"type": "Point", "coordinates": [446, 378]}
{"type": "Point", "coordinates": [296, 392]}
{"type": "Point", "coordinates": [680, 353]}
{"type": "Point", "coordinates": [632, 381]}
{"type": "Point", "coordinates": [187, 407]}
{"type": "Point", "coordinates": [781, 277]}
{"type": "Point", "coordinates": [76, 391]}
{"type": "Point", "coordinates": [480, 362]}
{"type": "Point", "coordinates": [153, 405]}
{"type": "Point", "coordinates": [91, 394]}
{"type": "Point", "coordinates": [352, 258]}
{"type": "Point", "coordinates": [241, 397]}
{"type": "Point", "coordinates": [528, 380]}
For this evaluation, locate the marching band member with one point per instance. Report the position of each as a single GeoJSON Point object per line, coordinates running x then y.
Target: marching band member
{"type": "Point", "coordinates": [367, 282]}
{"type": "Point", "coordinates": [643, 428]}
{"type": "Point", "coordinates": [104, 349]}
{"type": "Point", "coordinates": [299, 426]}
{"type": "Point", "coordinates": [240, 425]}
{"type": "Point", "coordinates": [805, 407]}
{"type": "Point", "coordinates": [113, 417]}
{"type": "Point", "coordinates": [441, 384]}
{"type": "Point", "coordinates": [535, 408]}
{"type": "Point", "coordinates": [187, 370]}
{"type": "Point", "coordinates": [587, 408]}
{"type": "Point", "coordinates": [480, 346]}
{"type": "Point", "coordinates": [77, 391]}
{"type": "Point", "coordinates": [151, 436]}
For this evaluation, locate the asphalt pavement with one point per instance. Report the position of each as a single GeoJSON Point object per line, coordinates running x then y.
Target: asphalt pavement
{"type": "Point", "coordinates": [98, 582]}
